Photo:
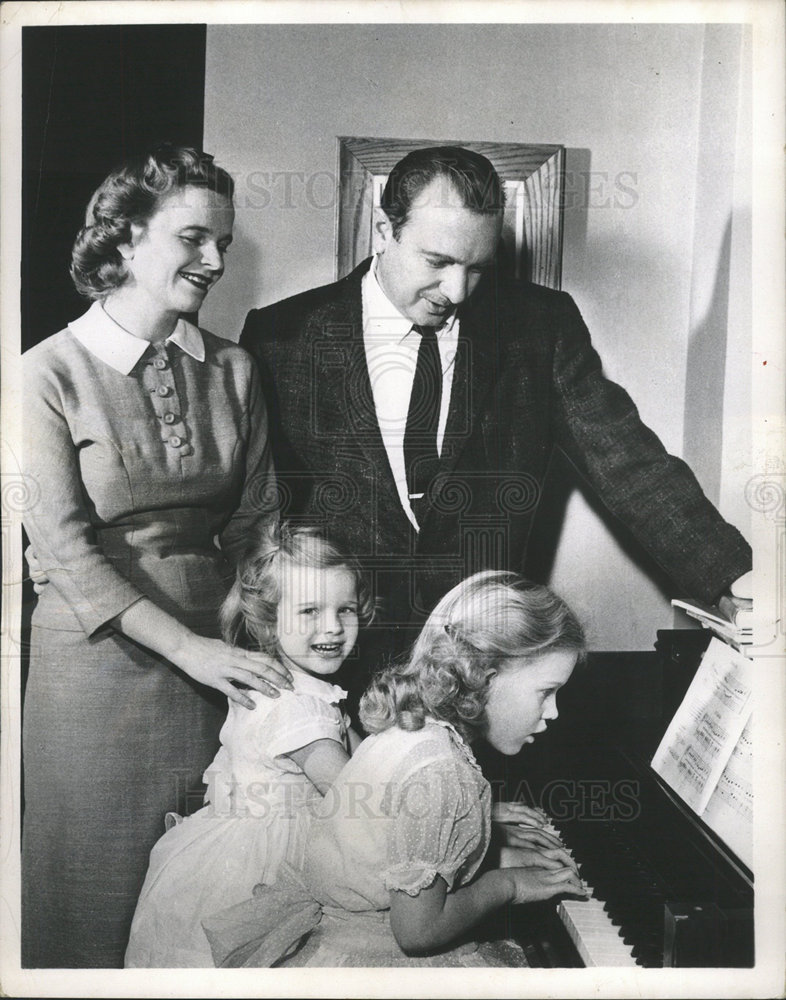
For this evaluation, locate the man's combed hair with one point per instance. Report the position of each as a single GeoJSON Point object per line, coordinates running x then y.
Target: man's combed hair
{"type": "Point", "coordinates": [131, 195]}
{"type": "Point", "coordinates": [250, 610]}
{"type": "Point", "coordinates": [471, 175]}
{"type": "Point", "coordinates": [480, 624]}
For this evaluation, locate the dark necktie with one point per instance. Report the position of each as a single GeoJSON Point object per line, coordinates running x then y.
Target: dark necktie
{"type": "Point", "coordinates": [421, 458]}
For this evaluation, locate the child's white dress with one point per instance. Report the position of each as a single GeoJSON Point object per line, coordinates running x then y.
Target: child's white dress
{"type": "Point", "coordinates": [259, 806]}
{"type": "Point", "coordinates": [408, 807]}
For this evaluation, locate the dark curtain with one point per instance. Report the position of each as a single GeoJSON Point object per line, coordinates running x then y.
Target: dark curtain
{"type": "Point", "coordinates": [91, 97]}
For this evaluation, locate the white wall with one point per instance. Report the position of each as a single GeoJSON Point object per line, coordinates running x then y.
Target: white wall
{"type": "Point", "coordinates": [633, 106]}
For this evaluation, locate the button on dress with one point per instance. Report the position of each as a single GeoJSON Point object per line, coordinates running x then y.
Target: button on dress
{"type": "Point", "coordinates": [114, 736]}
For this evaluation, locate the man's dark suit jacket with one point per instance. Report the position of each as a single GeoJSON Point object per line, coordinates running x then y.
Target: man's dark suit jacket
{"type": "Point", "coordinates": [526, 380]}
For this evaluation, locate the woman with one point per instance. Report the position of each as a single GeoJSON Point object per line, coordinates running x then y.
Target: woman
{"type": "Point", "coordinates": [146, 438]}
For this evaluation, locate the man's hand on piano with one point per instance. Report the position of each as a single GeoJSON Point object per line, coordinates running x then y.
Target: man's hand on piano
{"type": "Point", "coordinates": [742, 588]}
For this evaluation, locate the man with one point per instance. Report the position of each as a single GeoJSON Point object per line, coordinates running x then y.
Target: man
{"type": "Point", "coordinates": [414, 406]}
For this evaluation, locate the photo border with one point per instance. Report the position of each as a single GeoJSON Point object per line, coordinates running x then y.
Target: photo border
{"type": "Point", "coordinates": [767, 500]}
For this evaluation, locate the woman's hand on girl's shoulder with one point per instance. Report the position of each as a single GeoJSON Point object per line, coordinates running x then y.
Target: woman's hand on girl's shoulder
{"type": "Point", "coordinates": [213, 662]}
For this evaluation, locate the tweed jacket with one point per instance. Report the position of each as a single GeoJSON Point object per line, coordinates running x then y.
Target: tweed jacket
{"type": "Point", "coordinates": [527, 380]}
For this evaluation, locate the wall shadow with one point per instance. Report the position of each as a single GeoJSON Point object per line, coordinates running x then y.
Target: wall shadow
{"type": "Point", "coordinates": [561, 481]}
{"type": "Point", "coordinates": [705, 380]}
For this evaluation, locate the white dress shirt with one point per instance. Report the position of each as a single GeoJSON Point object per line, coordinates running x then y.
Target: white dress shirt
{"type": "Point", "coordinates": [391, 347]}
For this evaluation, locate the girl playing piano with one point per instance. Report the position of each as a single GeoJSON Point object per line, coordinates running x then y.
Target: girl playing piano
{"type": "Point", "coordinates": [390, 872]}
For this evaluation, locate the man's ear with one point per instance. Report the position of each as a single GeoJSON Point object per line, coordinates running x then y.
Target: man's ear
{"type": "Point", "coordinates": [381, 230]}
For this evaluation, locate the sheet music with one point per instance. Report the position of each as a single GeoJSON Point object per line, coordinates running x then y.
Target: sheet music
{"type": "Point", "coordinates": [698, 745]}
{"type": "Point", "coordinates": [730, 810]}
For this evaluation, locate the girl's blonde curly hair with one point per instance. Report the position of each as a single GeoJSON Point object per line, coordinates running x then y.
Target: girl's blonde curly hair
{"type": "Point", "coordinates": [250, 611]}
{"type": "Point", "coordinates": [478, 625]}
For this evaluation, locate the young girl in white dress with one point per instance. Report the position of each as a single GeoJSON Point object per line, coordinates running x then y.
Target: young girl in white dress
{"type": "Point", "coordinates": [301, 600]}
{"type": "Point", "coordinates": [390, 874]}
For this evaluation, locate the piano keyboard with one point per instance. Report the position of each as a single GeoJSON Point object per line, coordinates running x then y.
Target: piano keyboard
{"type": "Point", "coordinates": [596, 938]}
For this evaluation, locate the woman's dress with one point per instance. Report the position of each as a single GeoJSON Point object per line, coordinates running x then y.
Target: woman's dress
{"type": "Point", "coordinates": [260, 804]}
{"type": "Point", "coordinates": [139, 459]}
{"type": "Point", "coordinates": [406, 808]}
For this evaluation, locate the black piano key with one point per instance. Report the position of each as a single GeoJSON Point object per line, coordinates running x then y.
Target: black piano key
{"type": "Point", "coordinates": [628, 888]}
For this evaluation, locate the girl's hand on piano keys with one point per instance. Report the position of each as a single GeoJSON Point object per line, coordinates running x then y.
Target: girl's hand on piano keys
{"type": "Point", "coordinates": [533, 884]}
{"type": "Point", "coordinates": [551, 858]}
{"type": "Point", "coordinates": [517, 812]}
{"type": "Point", "coordinates": [525, 836]}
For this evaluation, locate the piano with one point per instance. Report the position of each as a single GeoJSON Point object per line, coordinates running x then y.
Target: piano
{"type": "Point", "coordinates": [666, 892]}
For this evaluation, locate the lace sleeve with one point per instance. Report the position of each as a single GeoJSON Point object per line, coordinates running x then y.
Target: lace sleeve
{"type": "Point", "coordinates": [440, 827]}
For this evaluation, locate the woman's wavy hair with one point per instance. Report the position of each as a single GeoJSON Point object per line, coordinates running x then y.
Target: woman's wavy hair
{"type": "Point", "coordinates": [131, 194]}
{"type": "Point", "coordinates": [478, 625]}
{"type": "Point", "coordinates": [250, 611]}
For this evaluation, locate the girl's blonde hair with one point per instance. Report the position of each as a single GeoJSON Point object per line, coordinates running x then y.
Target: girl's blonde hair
{"type": "Point", "coordinates": [486, 619]}
{"type": "Point", "coordinates": [250, 611]}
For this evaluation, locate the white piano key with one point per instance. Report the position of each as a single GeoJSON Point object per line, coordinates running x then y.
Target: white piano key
{"type": "Point", "coordinates": [597, 940]}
